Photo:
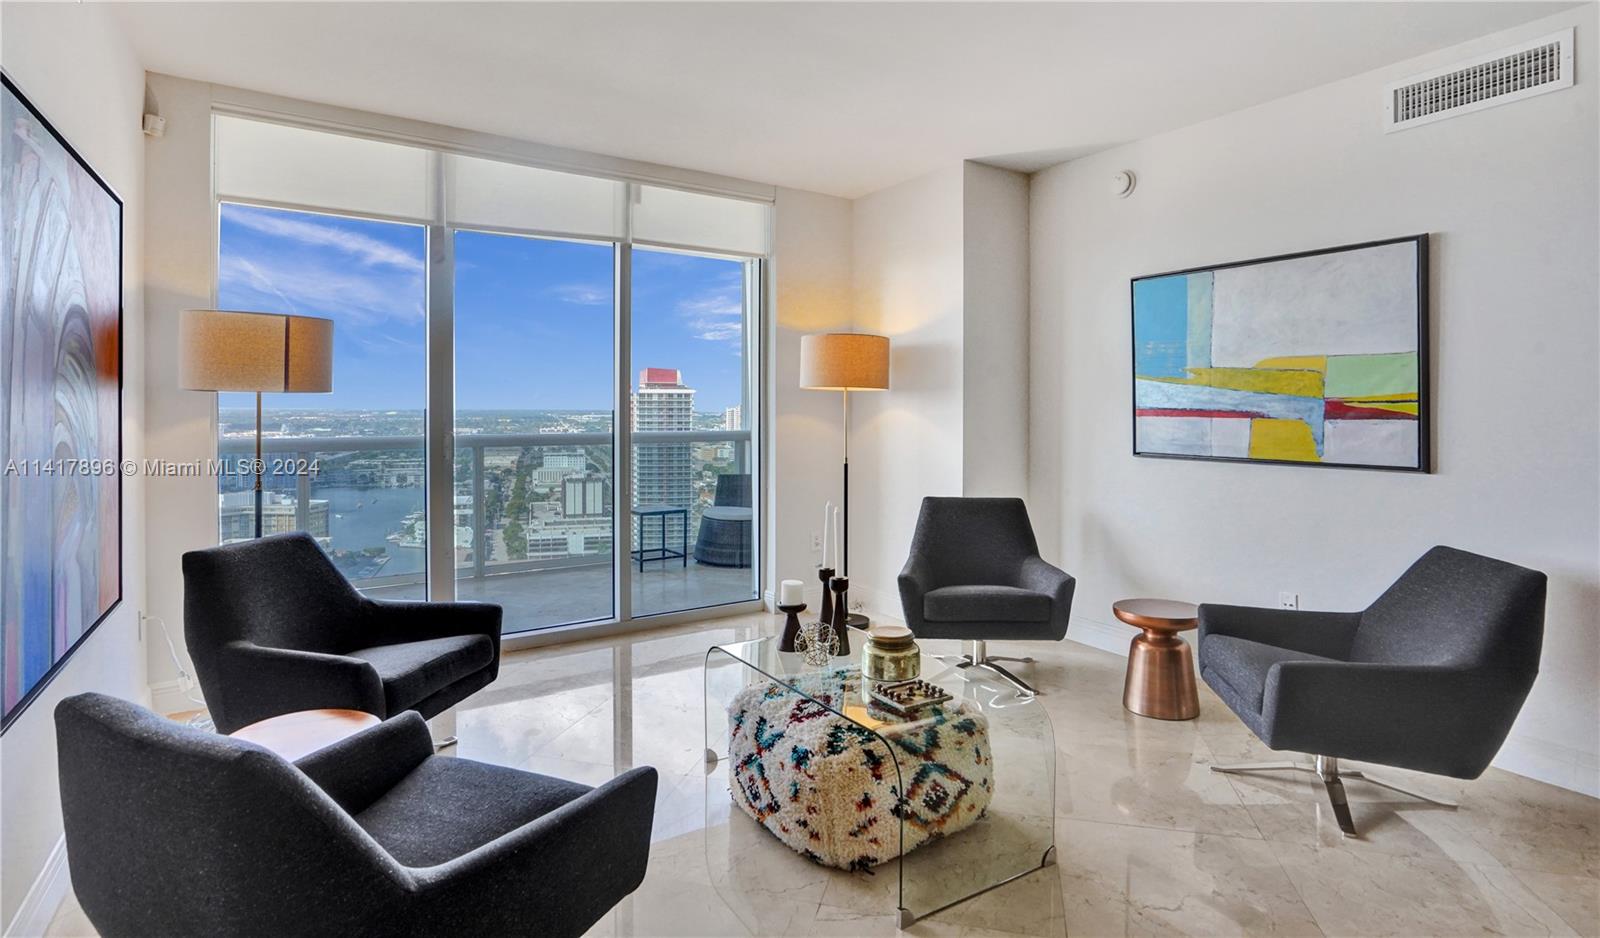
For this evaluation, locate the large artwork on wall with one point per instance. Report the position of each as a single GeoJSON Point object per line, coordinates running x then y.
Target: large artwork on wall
{"type": "Point", "coordinates": [61, 384]}
{"type": "Point", "coordinates": [1317, 358]}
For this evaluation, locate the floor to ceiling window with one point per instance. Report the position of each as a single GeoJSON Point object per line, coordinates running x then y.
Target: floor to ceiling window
{"type": "Point", "coordinates": [492, 321]}
{"type": "Point", "coordinates": [364, 501]}
{"type": "Point", "coordinates": [691, 461]}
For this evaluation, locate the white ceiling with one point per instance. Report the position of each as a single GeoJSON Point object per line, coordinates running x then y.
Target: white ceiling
{"type": "Point", "coordinates": [843, 98]}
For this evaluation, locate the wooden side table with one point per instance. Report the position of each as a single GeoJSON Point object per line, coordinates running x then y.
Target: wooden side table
{"type": "Point", "coordinates": [298, 734]}
{"type": "Point", "coordinates": [1160, 680]}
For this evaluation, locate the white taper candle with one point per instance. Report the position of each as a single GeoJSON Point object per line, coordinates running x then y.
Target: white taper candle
{"type": "Point", "coordinates": [827, 512]}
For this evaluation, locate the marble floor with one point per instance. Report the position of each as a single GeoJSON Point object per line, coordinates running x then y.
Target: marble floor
{"type": "Point", "coordinates": [1148, 840]}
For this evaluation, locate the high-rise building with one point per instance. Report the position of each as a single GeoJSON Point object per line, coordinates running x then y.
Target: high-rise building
{"type": "Point", "coordinates": [733, 418]}
{"type": "Point", "coordinates": [662, 472]}
{"type": "Point", "coordinates": [573, 460]}
{"type": "Point", "coordinates": [585, 496]}
{"type": "Point", "coordinates": [236, 515]}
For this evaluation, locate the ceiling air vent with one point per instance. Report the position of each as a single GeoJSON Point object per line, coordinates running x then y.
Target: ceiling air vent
{"type": "Point", "coordinates": [1522, 71]}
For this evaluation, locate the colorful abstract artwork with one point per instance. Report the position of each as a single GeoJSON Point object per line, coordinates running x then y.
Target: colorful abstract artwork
{"type": "Point", "coordinates": [60, 400]}
{"type": "Point", "coordinates": [1316, 358]}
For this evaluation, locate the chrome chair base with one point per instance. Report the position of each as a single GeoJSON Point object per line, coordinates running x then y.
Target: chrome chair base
{"type": "Point", "coordinates": [978, 656]}
{"type": "Point", "coordinates": [1326, 768]}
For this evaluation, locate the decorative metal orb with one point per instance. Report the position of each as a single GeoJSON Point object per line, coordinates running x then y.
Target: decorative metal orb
{"type": "Point", "coordinates": [816, 643]}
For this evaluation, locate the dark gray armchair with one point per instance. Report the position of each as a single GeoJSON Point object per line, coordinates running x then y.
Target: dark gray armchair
{"type": "Point", "coordinates": [273, 626]}
{"type": "Point", "coordinates": [1429, 677]}
{"type": "Point", "coordinates": [975, 574]}
{"type": "Point", "coordinates": [173, 831]}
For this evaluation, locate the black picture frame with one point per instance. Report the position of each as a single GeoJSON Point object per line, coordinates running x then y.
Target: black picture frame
{"type": "Point", "coordinates": [11, 714]}
{"type": "Point", "coordinates": [1424, 371]}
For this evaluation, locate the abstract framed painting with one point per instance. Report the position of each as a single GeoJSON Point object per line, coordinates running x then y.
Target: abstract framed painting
{"type": "Point", "coordinates": [1313, 359]}
{"type": "Point", "coordinates": [60, 400]}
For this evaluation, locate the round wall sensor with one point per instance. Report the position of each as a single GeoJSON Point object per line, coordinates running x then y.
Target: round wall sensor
{"type": "Point", "coordinates": [1122, 184]}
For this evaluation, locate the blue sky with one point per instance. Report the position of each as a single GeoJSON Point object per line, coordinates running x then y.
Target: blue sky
{"type": "Point", "coordinates": [533, 317]}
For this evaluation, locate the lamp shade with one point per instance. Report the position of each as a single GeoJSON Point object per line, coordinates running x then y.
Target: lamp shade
{"type": "Point", "coordinates": [844, 361]}
{"type": "Point", "coordinates": [223, 350]}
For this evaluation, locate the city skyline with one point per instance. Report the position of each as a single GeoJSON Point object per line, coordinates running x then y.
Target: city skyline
{"type": "Point", "coordinates": [533, 315]}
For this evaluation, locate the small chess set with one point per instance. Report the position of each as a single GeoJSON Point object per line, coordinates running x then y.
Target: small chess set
{"type": "Point", "coordinates": [905, 698]}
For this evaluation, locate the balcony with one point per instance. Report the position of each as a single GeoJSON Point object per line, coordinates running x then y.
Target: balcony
{"type": "Point", "coordinates": [533, 520]}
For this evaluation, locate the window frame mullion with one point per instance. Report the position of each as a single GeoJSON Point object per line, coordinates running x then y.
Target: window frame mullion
{"type": "Point", "coordinates": [440, 416]}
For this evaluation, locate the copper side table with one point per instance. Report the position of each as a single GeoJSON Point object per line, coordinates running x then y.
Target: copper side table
{"type": "Point", "coordinates": [297, 734]}
{"type": "Point", "coordinates": [1160, 681]}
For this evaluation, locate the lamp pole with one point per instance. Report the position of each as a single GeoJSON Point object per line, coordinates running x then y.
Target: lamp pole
{"type": "Point", "coordinates": [844, 539]}
{"type": "Point", "coordinates": [854, 619]}
{"type": "Point", "coordinates": [258, 465]}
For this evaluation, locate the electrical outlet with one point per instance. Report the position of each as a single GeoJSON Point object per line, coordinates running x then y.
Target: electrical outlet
{"type": "Point", "coordinates": [816, 542]}
{"type": "Point", "coordinates": [1289, 600]}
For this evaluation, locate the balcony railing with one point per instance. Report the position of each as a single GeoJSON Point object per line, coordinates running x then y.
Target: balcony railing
{"type": "Point", "coordinates": [471, 449]}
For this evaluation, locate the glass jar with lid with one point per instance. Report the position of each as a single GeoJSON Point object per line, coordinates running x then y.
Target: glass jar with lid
{"type": "Point", "coordinates": [890, 654]}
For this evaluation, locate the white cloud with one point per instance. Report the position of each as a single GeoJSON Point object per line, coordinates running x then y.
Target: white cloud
{"type": "Point", "coordinates": [366, 250]}
{"type": "Point", "coordinates": [715, 315]}
{"type": "Point", "coordinates": [583, 294]}
{"type": "Point", "coordinates": [313, 290]}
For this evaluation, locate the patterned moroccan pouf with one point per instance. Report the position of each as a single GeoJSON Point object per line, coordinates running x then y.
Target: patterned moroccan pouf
{"type": "Point", "coordinates": [827, 787]}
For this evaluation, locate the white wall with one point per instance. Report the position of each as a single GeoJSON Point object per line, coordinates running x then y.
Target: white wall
{"type": "Point", "coordinates": [941, 267]}
{"type": "Point", "coordinates": [179, 271]}
{"type": "Point", "coordinates": [811, 269]}
{"type": "Point", "coordinates": [906, 442]}
{"type": "Point", "coordinates": [1510, 197]}
{"type": "Point", "coordinates": [995, 349]}
{"type": "Point", "coordinates": [73, 64]}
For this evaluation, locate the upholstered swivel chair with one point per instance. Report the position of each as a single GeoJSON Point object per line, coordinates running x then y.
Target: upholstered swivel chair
{"type": "Point", "coordinates": [975, 574]}
{"type": "Point", "coordinates": [273, 626]}
{"type": "Point", "coordinates": [1429, 677]}
{"type": "Point", "coordinates": [173, 831]}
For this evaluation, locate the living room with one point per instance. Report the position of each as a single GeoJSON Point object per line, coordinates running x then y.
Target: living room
{"type": "Point", "coordinates": [800, 468]}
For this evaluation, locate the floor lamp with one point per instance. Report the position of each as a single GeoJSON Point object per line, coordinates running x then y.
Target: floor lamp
{"type": "Point", "coordinates": [845, 361]}
{"type": "Point", "coordinates": [222, 350]}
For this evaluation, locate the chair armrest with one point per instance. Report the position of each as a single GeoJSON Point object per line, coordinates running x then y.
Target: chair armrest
{"type": "Point", "coordinates": [915, 581]}
{"type": "Point", "coordinates": [1440, 719]}
{"type": "Point", "coordinates": [358, 769]}
{"type": "Point", "coordinates": [260, 681]}
{"type": "Point", "coordinates": [392, 622]}
{"type": "Point", "coordinates": [555, 875]}
{"type": "Point", "coordinates": [1043, 577]}
{"type": "Point", "coordinates": [1327, 634]}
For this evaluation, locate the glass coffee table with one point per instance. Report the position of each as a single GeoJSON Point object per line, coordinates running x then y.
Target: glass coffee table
{"type": "Point", "coordinates": [811, 792]}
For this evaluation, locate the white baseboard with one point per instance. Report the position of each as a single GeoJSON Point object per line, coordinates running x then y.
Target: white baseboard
{"type": "Point", "coordinates": [876, 604]}
{"type": "Point", "coordinates": [1553, 763]}
{"type": "Point", "coordinates": [170, 697]}
{"type": "Point", "coordinates": [44, 897]}
{"type": "Point", "coordinates": [811, 596]}
{"type": "Point", "coordinates": [1106, 636]}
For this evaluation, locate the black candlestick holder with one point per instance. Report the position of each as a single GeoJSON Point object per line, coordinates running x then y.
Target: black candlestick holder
{"type": "Point", "coordinates": [841, 617]}
{"type": "Point", "coordinates": [791, 625]}
{"type": "Point", "coordinates": [825, 574]}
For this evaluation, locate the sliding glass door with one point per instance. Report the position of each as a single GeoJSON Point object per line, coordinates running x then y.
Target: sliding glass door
{"type": "Point", "coordinates": [545, 382]}
{"type": "Point", "coordinates": [535, 415]}
{"type": "Point", "coordinates": [693, 521]}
